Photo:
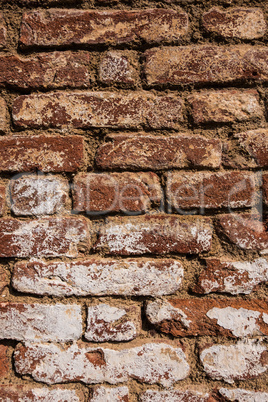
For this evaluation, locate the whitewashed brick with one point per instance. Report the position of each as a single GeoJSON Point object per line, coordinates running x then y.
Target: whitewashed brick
{"type": "Point", "coordinates": [104, 394]}
{"type": "Point", "coordinates": [242, 395]}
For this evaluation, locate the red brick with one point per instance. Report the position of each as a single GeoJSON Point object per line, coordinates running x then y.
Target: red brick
{"type": "Point", "coordinates": [40, 322]}
{"type": "Point", "coordinates": [156, 234]}
{"type": "Point", "coordinates": [233, 277]}
{"type": "Point", "coordinates": [265, 188]}
{"type": "Point", "coordinates": [97, 109]}
{"type": "Point", "coordinates": [114, 192]}
{"type": "Point", "coordinates": [202, 64]}
{"type": "Point", "coordinates": [255, 144]}
{"type": "Point", "coordinates": [211, 190]}
{"type": "Point", "coordinates": [99, 277]}
{"type": "Point", "coordinates": [94, 27]}
{"type": "Point", "coordinates": [4, 361]}
{"type": "Point", "coordinates": [119, 67]}
{"type": "Point", "coordinates": [3, 115]}
{"type": "Point", "coordinates": [21, 393]}
{"type": "Point", "coordinates": [63, 236]}
{"type": "Point", "coordinates": [48, 153]}
{"type": "Point", "coordinates": [235, 22]}
{"type": "Point", "coordinates": [152, 363]}
{"type": "Point", "coordinates": [39, 195]}
{"type": "Point", "coordinates": [244, 230]}
{"type": "Point", "coordinates": [47, 70]}
{"type": "Point", "coordinates": [158, 152]}
{"type": "Point", "coordinates": [225, 106]}
{"type": "Point", "coordinates": [226, 317]}
{"type": "Point", "coordinates": [3, 32]}
{"type": "Point", "coordinates": [2, 199]}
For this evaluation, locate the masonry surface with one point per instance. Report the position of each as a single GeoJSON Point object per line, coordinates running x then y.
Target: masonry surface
{"type": "Point", "coordinates": [133, 201]}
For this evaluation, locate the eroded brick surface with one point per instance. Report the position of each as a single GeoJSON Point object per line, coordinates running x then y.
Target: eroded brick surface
{"type": "Point", "coordinates": [99, 277]}
{"type": "Point", "coordinates": [33, 394]}
{"type": "Point", "coordinates": [2, 199]}
{"type": "Point", "coordinates": [243, 395]}
{"type": "Point", "coordinates": [3, 32]}
{"type": "Point", "coordinates": [255, 144]}
{"type": "Point", "coordinates": [4, 362]}
{"type": "Point", "coordinates": [104, 394]}
{"type": "Point", "coordinates": [3, 115]}
{"type": "Point", "coordinates": [175, 396]}
{"type": "Point", "coordinates": [119, 67]}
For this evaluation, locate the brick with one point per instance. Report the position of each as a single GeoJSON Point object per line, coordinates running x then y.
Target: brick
{"type": "Point", "coordinates": [234, 277]}
{"type": "Point", "coordinates": [119, 67]}
{"type": "Point", "coordinates": [243, 395]}
{"type": "Point", "coordinates": [152, 363]}
{"type": "Point", "coordinates": [205, 64]}
{"type": "Point", "coordinates": [3, 32]}
{"type": "Point", "coordinates": [244, 230]}
{"type": "Point", "coordinates": [45, 152]}
{"type": "Point", "coordinates": [114, 192]}
{"type": "Point", "coordinates": [225, 106]}
{"type": "Point", "coordinates": [94, 27]}
{"type": "Point", "coordinates": [158, 152]}
{"type": "Point", "coordinates": [99, 277]}
{"type": "Point", "coordinates": [33, 394]}
{"type": "Point", "coordinates": [5, 366]}
{"type": "Point", "coordinates": [255, 144]}
{"type": "Point", "coordinates": [249, 362]}
{"type": "Point", "coordinates": [46, 71]}
{"type": "Point", "coordinates": [235, 22]}
{"type": "Point", "coordinates": [175, 396]}
{"type": "Point", "coordinates": [265, 188]}
{"type": "Point", "coordinates": [104, 394]}
{"type": "Point", "coordinates": [2, 199]}
{"type": "Point", "coordinates": [4, 281]}
{"type": "Point", "coordinates": [97, 109]}
{"type": "Point", "coordinates": [226, 317]}
{"type": "Point", "coordinates": [39, 195]}
{"type": "Point", "coordinates": [3, 115]}
{"type": "Point", "coordinates": [47, 237]}
{"type": "Point", "coordinates": [154, 234]}
{"type": "Point", "coordinates": [211, 190]}
{"type": "Point", "coordinates": [40, 322]}
{"type": "Point", "coordinates": [112, 323]}
{"type": "Point", "coordinates": [46, 2]}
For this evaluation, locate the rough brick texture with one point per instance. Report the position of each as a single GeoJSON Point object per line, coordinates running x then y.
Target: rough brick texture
{"type": "Point", "coordinates": [32, 394]}
{"type": "Point", "coordinates": [117, 67]}
{"type": "Point", "coordinates": [3, 32]}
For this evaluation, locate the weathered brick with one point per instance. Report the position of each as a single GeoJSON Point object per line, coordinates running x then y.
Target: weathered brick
{"type": "Point", "coordinates": [45, 152]}
{"type": "Point", "coordinates": [243, 395]}
{"type": "Point", "coordinates": [32, 394]}
{"type": "Point", "coordinates": [227, 317]}
{"type": "Point", "coordinates": [40, 322]}
{"type": "Point", "coordinates": [152, 363]}
{"type": "Point", "coordinates": [202, 64]}
{"type": "Point", "coordinates": [5, 364]}
{"type": "Point", "coordinates": [94, 27]}
{"type": "Point", "coordinates": [97, 109]}
{"type": "Point", "coordinates": [175, 396]}
{"type": "Point", "coordinates": [255, 143]}
{"type": "Point", "coordinates": [104, 394]}
{"type": "Point", "coordinates": [48, 70]}
{"type": "Point", "coordinates": [47, 237]}
{"type": "Point", "coordinates": [113, 192]}
{"type": "Point", "coordinates": [235, 22]}
{"type": "Point", "coordinates": [39, 195]}
{"type": "Point", "coordinates": [225, 106]}
{"type": "Point", "coordinates": [99, 277]}
{"type": "Point", "coordinates": [211, 190]}
{"type": "Point", "coordinates": [233, 277]}
{"type": "Point", "coordinates": [119, 67]}
{"type": "Point", "coordinates": [157, 234]}
{"type": "Point", "coordinates": [112, 323]}
{"type": "Point", "coordinates": [4, 281]}
{"type": "Point", "coordinates": [2, 199]}
{"type": "Point", "coordinates": [265, 188]}
{"type": "Point", "coordinates": [3, 32]}
{"type": "Point", "coordinates": [244, 230]}
{"type": "Point", "coordinates": [249, 362]}
{"type": "Point", "coordinates": [3, 115]}
{"type": "Point", "coordinates": [158, 152]}
{"type": "Point", "coordinates": [46, 2]}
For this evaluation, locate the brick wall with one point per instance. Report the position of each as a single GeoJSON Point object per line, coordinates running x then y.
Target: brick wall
{"type": "Point", "coordinates": [133, 201]}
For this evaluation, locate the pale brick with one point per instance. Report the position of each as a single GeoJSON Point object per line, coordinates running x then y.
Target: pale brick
{"type": "Point", "coordinates": [175, 396]}
{"type": "Point", "coordinates": [67, 27]}
{"type": "Point", "coordinates": [104, 394]}
{"type": "Point", "coordinates": [47, 237]}
{"type": "Point", "coordinates": [243, 395]}
{"type": "Point", "coordinates": [39, 195]}
{"type": "Point", "coordinates": [99, 277]}
{"type": "Point", "coordinates": [234, 277]}
{"type": "Point", "coordinates": [40, 322]}
{"type": "Point", "coordinates": [157, 234]}
{"type": "Point", "coordinates": [235, 22]}
{"type": "Point", "coordinates": [152, 363]}
{"type": "Point", "coordinates": [32, 394]}
{"type": "Point", "coordinates": [97, 109]}
{"type": "Point", "coordinates": [255, 144]}
{"type": "Point", "coordinates": [112, 323]}
{"type": "Point", "coordinates": [119, 67]}
{"type": "Point", "coordinates": [158, 152]}
{"type": "Point", "coordinates": [225, 106]}
{"type": "Point", "coordinates": [242, 361]}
